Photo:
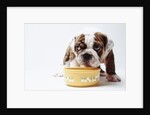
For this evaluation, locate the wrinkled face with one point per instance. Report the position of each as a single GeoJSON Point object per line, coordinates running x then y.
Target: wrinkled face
{"type": "Point", "coordinates": [89, 48]}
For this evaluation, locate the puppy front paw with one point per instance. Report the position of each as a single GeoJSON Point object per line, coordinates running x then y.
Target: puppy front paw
{"type": "Point", "coordinates": [113, 78]}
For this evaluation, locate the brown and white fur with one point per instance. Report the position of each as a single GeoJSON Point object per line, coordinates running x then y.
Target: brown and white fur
{"type": "Point", "coordinates": [90, 50]}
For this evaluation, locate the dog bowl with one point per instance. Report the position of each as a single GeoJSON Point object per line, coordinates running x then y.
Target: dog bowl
{"type": "Point", "coordinates": [82, 77]}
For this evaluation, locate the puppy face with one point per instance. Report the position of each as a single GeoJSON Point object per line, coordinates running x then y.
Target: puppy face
{"type": "Point", "coordinates": [87, 49]}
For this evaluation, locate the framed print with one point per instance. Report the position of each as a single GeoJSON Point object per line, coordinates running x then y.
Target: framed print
{"type": "Point", "coordinates": [44, 42]}
{"type": "Point", "coordinates": [74, 57]}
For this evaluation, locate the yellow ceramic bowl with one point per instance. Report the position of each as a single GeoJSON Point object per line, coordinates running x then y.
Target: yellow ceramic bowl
{"type": "Point", "coordinates": [82, 77]}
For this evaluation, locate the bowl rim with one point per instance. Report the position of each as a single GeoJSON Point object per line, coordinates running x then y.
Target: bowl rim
{"type": "Point", "coordinates": [81, 68]}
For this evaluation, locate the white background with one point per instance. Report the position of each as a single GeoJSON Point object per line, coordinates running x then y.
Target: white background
{"type": "Point", "coordinates": [17, 97]}
{"type": "Point", "coordinates": [45, 47]}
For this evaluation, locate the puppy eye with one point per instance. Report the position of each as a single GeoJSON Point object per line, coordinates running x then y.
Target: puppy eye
{"type": "Point", "coordinates": [96, 47]}
{"type": "Point", "coordinates": [78, 47]}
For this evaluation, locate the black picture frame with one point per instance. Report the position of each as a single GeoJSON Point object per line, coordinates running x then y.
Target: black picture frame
{"type": "Point", "coordinates": [94, 3]}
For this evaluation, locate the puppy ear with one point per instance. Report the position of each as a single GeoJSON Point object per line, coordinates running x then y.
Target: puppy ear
{"type": "Point", "coordinates": [69, 55]}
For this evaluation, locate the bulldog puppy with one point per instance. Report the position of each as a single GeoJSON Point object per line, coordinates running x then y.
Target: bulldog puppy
{"type": "Point", "coordinates": [90, 50]}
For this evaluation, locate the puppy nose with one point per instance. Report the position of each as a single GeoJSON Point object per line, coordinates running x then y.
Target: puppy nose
{"type": "Point", "coordinates": [87, 56]}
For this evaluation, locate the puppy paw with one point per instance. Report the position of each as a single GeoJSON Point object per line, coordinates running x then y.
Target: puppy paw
{"type": "Point", "coordinates": [113, 78]}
